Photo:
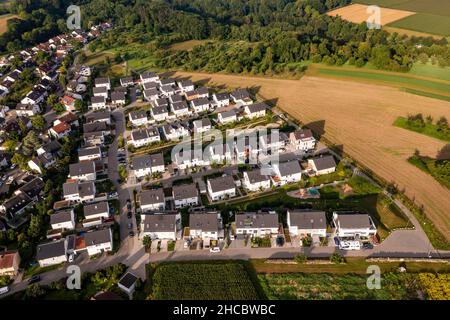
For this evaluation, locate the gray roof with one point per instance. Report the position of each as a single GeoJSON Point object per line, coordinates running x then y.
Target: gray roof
{"type": "Point", "coordinates": [138, 114]}
{"type": "Point", "coordinates": [157, 159]}
{"type": "Point", "coordinates": [141, 162]}
{"type": "Point", "coordinates": [61, 216]}
{"type": "Point", "coordinates": [288, 168]}
{"type": "Point", "coordinates": [117, 95]}
{"type": "Point", "coordinates": [81, 168]}
{"type": "Point", "coordinates": [95, 208]}
{"type": "Point", "coordinates": [51, 146]}
{"type": "Point", "coordinates": [240, 94]}
{"type": "Point", "coordinates": [255, 176]}
{"type": "Point", "coordinates": [204, 122]}
{"type": "Point", "coordinates": [204, 221]}
{"type": "Point", "coordinates": [152, 197]}
{"type": "Point", "coordinates": [323, 163]}
{"type": "Point", "coordinates": [89, 151]}
{"type": "Point", "coordinates": [303, 134]}
{"type": "Point", "coordinates": [308, 219]}
{"type": "Point", "coordinates": [222, 96]}
{"type": "Point", "coordinates": [354, 221]}
{"type": "Point", "coordinates": [167, 81]}
{"type": "Point", "coordinates": [98, 99]}
{"type": "Point", "coordinates": [148, 74]}
{"type": "Point", "coordinates": [167, 88]}
{"type": "Point", "coordinates": [101, 89]}
{"type": "Point", "coordinates": [184, 191]}
{"type": "Point", "coordinates": [101, 81]}
{"type": "Point", "coordinates": [200, 101]}
{"type": "Point", "coordinates": [70, 188]}
{"type": "Point", "coordinates": [256, 220]}
{"type": "Point", "coordinates": [126, 79]}
{"type": "Point", "coordinates": [186, 83]}
{"type": "Point", "coordinates": [159, 110]}
{"type": "Point", "coordinates": [98, 237]}
{"type": "Point", "coordinates": [95, 127]}
{"type": "Point", "coordinates": [86, 189]}
{"type": "Point", "coordinates": [160, 222]}
{"type": "Point", "coordinates": [179, 105]}
{"type": "Point", "coordinates": [222, 183]}
{"type": "Point", "coordinates": [51, 249]}
{"type": "Point", "coordinates": [256, 107]}
{"type": "Point", "coordinates": [175, 98]}
{"type": "Point", "coordinates": [97, 116]}
{"type": "Point", "coordinates": [228, 114]}
{"type": "Point", "coordinates": [151, 92]}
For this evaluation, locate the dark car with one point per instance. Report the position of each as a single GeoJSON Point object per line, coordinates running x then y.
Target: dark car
{"type": "Point", "coordinates": [34, 279]}
{"type": "Point", "coordinates": [131, 234]}
{"type": "Point", "coordinates": [129, 215]}
{"type": "Point", "coordinates": [280, 241]}
{"type": "Point", "coordinates": [368, 245]}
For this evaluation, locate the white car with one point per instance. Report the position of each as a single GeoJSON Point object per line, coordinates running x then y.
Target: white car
{"type": "Point", "coordinates": [350, 245]}
{"type": "Point", "coordinates": [214, 249]}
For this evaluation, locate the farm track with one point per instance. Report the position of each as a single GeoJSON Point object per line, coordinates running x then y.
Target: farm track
{"type": "Point", "coordinates": [359, 117]}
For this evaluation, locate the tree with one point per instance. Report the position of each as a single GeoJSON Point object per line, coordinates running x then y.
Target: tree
{"type": "Point", "coordinates": [147, 242]}
{"type": "Point", "coordinates": [59, 108]}
{"type": "Point", "coordinates": [10, 145]}
{"type": "Point", "coordinates": [38, 122]}
{"type": "Point", "coordinates": [337, 258]}
{"type": "Point", "coordinates": [300, 258]}
{"type": "Point", "coordinates": [30, 143]}
{"type": "Point", "coordinates": [20, 160]}
{"type": "Point", "coordinates": [34, 229]}
{"type": "Point", "coordinates": [34, 291]}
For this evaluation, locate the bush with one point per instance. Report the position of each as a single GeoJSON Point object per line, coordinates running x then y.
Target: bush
{"type": "Point", "coordinates": [337, 258]}
{"type": "Point", "coordinates": [300, 258]}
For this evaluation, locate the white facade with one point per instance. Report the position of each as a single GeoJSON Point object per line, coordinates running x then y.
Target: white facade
{"type": "Point", "coordinates": [255, 185]}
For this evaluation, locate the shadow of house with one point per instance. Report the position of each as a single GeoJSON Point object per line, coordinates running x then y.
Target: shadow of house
{"type": "Point", "coordinates": [318, 128]}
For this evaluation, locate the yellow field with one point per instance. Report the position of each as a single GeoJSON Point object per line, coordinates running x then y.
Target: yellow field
{"type": "Point", "coordinates": [186, 45]}
{"type": "Point", "coordinates": [359, 117]}
{"type": "Point", "coordinates": [357, 13]}
{"type": "Point", "coordinates": [3, 21]}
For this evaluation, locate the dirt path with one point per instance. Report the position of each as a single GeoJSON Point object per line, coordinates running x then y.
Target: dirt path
{"type": "Point", "coordinates": [359, 117]}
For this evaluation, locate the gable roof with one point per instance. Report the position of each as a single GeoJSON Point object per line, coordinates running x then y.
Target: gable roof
{"type": "Point", "coordinates": [51, 249]}
{"type": "Point", "coordinates": [354, 221]}
{"type": "Point", "coordinates": [154, 196]}
{"type": "Point", "coordinates": [98, 237]}
{"type": "Point", "coordinates": [204, 221]}
{"type": "Point", "coordinates": [81, 168]}
{"type": "Point", "coordinates": [256, 220]}
{"type": "Point", "coordinates": [323, 163]}
{"type": "Point", "coordinates": [184, 191]}
{"type": "Point", "coordinates": [308, 219]}
{"type": "Point", "coordinates": [288, 168]}
{"type": "Point", "coordinates": [160, 222]}
{"type": "Point", "coordinates": [222, 183]}
{"type": "Point", "coordinates": [95, 208]}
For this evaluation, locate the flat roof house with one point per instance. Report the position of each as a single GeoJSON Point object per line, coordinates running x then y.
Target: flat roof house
{"type": "Point", "coordinates": [307, 223]}
{"type": "Point", "coordinates": [152, 200]}
{"type": "Point", "coordinates": [256, 224]}
{"type": "Point", "coordinates": [83, 171]}
{"type": "Point", "coordinates": [286, 172]}
{"type": "Point", "coordinates": [99, 241]}
{"type": "Point", "coordinates": [161, 226]}
{"type": "Point", "coordinates": [255, 181]}
{"type": "Point", "coordinates": [322, 165]}
{"type": "Point", "coordinates": [353, 225]}
{"type": "Point", "coordinates": [52, 253]}
{"type": "Point", "coordinates": [185, 195]}
{"type": "Point", "coordinates": [221, 188]}
{"type": "Point", "coordinates": [206, 226]}
{"type": "Point", "coordinates": [128, 283]}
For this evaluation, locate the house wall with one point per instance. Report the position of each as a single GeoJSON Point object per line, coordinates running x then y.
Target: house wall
{"type": "Point", "coordinates": [222, 194]}
{"type": "Point", "coordinates": [153, 207]}
{"type": "Point", "coordinates": [99, 248]}
{"type": "Point", "coordinates": [161, 235]}
{"type": "Point", "coordinates": [257, 232]}
{"type": "Point", "coordinates": [64, 225]}
{"type": "Point", "coordinates": [186, 202]}
{"type": "Point", "coordinates": [52, 261]}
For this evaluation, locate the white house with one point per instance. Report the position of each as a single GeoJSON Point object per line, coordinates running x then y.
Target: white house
{"type": "Point", "coordinates": [185, 195]}
{"type": "Point", "coordinates": [175, 131]}
{"type": "Point", "coordinates": [100, 116]}
{"type": "Point", "coordinates": [186, 85]}
{"type": "Point", "coordinates": [103, 82]}
{"type": "Point", "coordinates": [322, 165]}
{"type": "Point", "coordinates": [118, 98]}
{"type": "Point", "coordinates": [98, 103]}
{"type": "Point", "coordinates": [160, 113]}
{"type": "Point", "coordinates": [143, 137]}
{"type": "Point", "coordinates": [60, 130]}
{"type": "Point", "coordinates": [205, 226]}
{"type": "Point", "coordinates": [96, 210]}
{"type": "Point", "coordinates": [83, 171]}
{"type": "Point", "coordinates": [152, 200]}
{"type": "Point", "coordinates": [220, 153]}
{"type": "Point", "coordinates": [64, 219]}
{"type": "Point", "coordinates": [227, 117]}
{"type": "Point", "coordinates": [100, 92]}
{"type": "Point", "coordinates": [161, 226]}
{"type": "Point", "coordinates": [221, 99]}
{"type": "Point", "coordinates": [98, 241]}
{"type": "Point", "coordinates": [180, 109]}
{"type": "Point", "coordinates": [307, 223]}
{"type": "Point", "coordinates": [303, 140]}
{"type": "Point", "coordinates": [142, 165]}
{"type": "Point", "coordinates": [168, 90]}
{"type": "Point", "coordinates": [353, 224]}
{"type": "Point", "coordinates": [27, 110]}
{"type": "Point", "coordinates": [128, 283]}
{"type": "Point", "coordinates": [126, 81]}
{"type": "Point", "coordinates": [138, 118]}
{"type": "Point", "coordinates": [257, 224]}
{"type": "Point", "coordinates": [200, 105]}
{"type": "Point", "coordinates": [256, 110]}
{"type": "Point", "coordinates": [189, 159]}
{"type": "Point", "coordinates": [255, 181]}
{"type": "Point", "coordinates": [157, 163]}
{"type": "Point", "coordinates": [221, 188]}
{"type": "Point", "coordinates": [241, 96]}
{"type": "Point", "coordinates": [273, 141]}
{"type": "Point", "coordinates": [151, 94]}
{"type": "Point", "coordinates": [202, 125]}
{"type": "Point", "coordinates": [52, 253]}
{"type": "Point", "coordinates": [89, 154]}
{"type": "Point", "coordinates": [79, 191]}
{"type": "Point", "coordinates": [35, 96]}
{"type": "Point", "coordinates": [286, 172]}
{"type": "Point", "coordinates": [150, 85]}
{"type": "Point", "coordinates": [149, 77]}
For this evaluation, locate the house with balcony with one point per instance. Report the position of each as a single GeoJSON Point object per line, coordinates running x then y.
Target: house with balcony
{"type": "Point", "coordinates": [162, 226]}
{"type": "Point", "coordinates": [79, 191]}
{"type": "Point", "coordinates": [143, 137]}
{"type": "Point", "coordinates": [98, 241]}
{"type": "Point", "coordinates": [303, 140]}
{"type": "Point", "coordinates": [255, 181]}
{"type": "Point", "coordinates": [221, 188]}
{"type": "Point", "coordinates": [103, 82]}
{"type": "Point", "coordinates": [257, 224]}
{"type": "Point", "coordinates": [206, 226]}
{"type": "Point", "coordinates": [303, 223]}
{"type": "Point", "coordinates": [152, 200]}
{"type": "Point", "coordinates": [353, 225]}
{"type": "Point", "coordinates": [185, 195]}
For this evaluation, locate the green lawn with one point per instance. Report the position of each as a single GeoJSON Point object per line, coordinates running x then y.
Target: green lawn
{"type": "Point", "coordinates": [427, 94]}
{"type": "Point", "coordinates": [425, 22]}
{"type": "Point", "coordinates": [439, 7]}
{"type": "Point", "coordinates": [431, 71]}
{"type": "Point", "coordinates": [440, 170]}
{"type": "Point", "coordinates": [430, 130]}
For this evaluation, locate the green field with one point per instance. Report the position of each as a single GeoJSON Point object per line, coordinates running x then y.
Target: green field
{"type": "Point", "coordinates": [438, 169]}
{"type": "Point", "coordinates": [427, 94]}
{"type": "Point", "coordinates": [221, 280]}
{"type": "Point", "coordinates": [425, 22]}
{"type": "Point", "coordinates": [431, 71]}
{"type": "Point", "coordinates": [430, 130]}
{"type": "Point", "coordinates": [438, 7]}
{"type": "Point", "coordinates": [298, 286]}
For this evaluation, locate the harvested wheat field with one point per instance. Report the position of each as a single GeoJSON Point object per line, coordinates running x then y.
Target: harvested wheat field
{"type": "Point", "coordinates": [357, 13]}
{"type": "Point", "coordinates": [359, 117]}
{"type": "Point", "coordinates": [4, 22]}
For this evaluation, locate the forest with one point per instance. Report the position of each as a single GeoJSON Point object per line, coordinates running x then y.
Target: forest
{"type": "Point", "coordinates": [246, 36]}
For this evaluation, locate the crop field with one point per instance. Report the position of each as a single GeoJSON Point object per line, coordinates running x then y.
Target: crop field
{"type": "Point", "coordinates": [438, 7]}
{"type": "Point", "coordinates": [359, 117]}
{"type": "Point", "coordinates": [357, 13]}
{"type": "Point", "coordinates": [425, 22]}
{"type": "Point", "coordinates": [394, 286]}
{"type": "Point", "coordinates": [203, 281]}
{"type": "Point", "coordinates": [186, 45]}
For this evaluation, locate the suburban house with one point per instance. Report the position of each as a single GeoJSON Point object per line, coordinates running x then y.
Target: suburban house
{"type": "Point", "coordinates": [98, 241]}
{"type": "Point", "coordinates": [126, 82]}
{"type": "Point", "coordinates": [227, 117]}
{"type": "Point", "coordinates": [255, 181]}
{"type": "Point", "coordinates": [118, 98]}
{"type": "Point", "coordinates": [97, 127]}
{"type": "Point", "coordinates": [60, 130]}
{"type": "Point", "coordinates": [79, 191]}
{"type": "Point", "coordinates": [202, 125]}
{"type": "Point", "coordinates": [185, 195]}
{"type": "Point", "coordinates": [200, 105]}
{"type": "Point", "coordinates": [180, 109]}
{"type": "Point", "coordinates": [273, 141]}
{"type": "Point", "coordinates": [98, 103]}
{"type": "Point", "coordinates": [161, 226]}
{"type": "Point", "coordinates": [83, 171]}
{"type": "Point", "coordinates": [149, 77]}
{"type": "Point", "coordinates": [256, 110]}
{"type": "Point", "coordinates": [64, 219]}
{"type": "Point", "coordinates": [167, 82]}
{"type": "Point", "coordinates": [256, 224]}
{"type": "Point", "coordinates": [241, 96]}
{"type": "Point", "coordinates": [157, 162]}
{"type": "Point", "coordinates": [160, 113]}
{"type": "Point", "coordinates": [68, 102]}
{"type": "Point", "coordinates": [220, 153]}
{"type": "Point", "coordinates": [41, 162]}
{"type": "Point", "coordinates": [35, 96]}
{"type": "Point", "coordinates": [100, 92]}
{"type": "Point", "coordinates": [52, 253]}
{"type": "Point", "coordinates": [189, 159]}
{"type": "Point", "coordinates": [15, 206]}
{"type": "Point", "coordinates": [95, 213]}
{"type": "Point", "coordinates": [150, 85]}
{"type": "Point", "coordinates": [142, 137]}
{"type": "Point", "coordinates": [9, 263]}
{"type": "Point", "coordinates": [221, 99]}
{"type": "Point", "coordinates": [186, 85]}
{"type": "Point", "coordinates": [221, 188]}
{"type": "Point", "coordinates": [353, 225]}
{"type": "Point", "coordinates": [138, 118]}
{"type": "Point", "coordinates": [322, 165]}
{"type": "Point", "coordinates": [307, 223]}
{"type": "Point", "coordinates": [89, 153]}
{"type": "Point", "coordinates": [151, 94]}
{"type": "Point", "coordinates": [27, 110]}
{"type": "Point", "coordinates": [286, 172]}
{"type": "Point", "coordinates": [303, 140]}
{"type": "Point", "coordinates": [152, 200]}
{"type": "Point", "coordinates": [168, 90]}
{"type": "Point", "coordinates": [92, 139]}
{"type": "Point", "coordinates": [100, 116]}
{"type": "Point", "coordinates": [141, 165]}
{"type": "Point", "coordinates": [206, 226]}
{"type": "Point", "coordinates": [103, 82]}
{"type": "Point", "coordinates": [175, 131]}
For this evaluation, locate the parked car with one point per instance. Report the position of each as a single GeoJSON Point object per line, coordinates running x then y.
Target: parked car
{"type": "Point", "coordinates": [4, 290]}
{"type": "Point", "coordinates": [367, 245]}
{"type": "Point", "coordinates": [34, 279]}
{"type": "Point", "coordinates": [129, 215]}
{"type": "Point", "coordinates": [280, 241]}
{"type": "Point", "coordinates": [130, 226]}
{"type": "Point", "coordinates": [214, 249]}
{"type": "Point", "coordinates": [131, 234]}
